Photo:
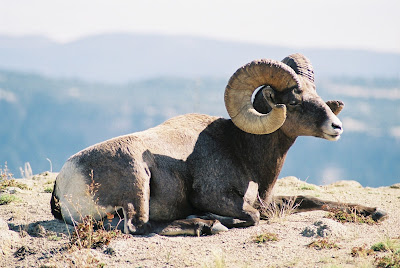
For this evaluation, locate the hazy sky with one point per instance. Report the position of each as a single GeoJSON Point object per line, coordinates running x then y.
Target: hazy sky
{"type": "Point", "coordinates": [361, 24]}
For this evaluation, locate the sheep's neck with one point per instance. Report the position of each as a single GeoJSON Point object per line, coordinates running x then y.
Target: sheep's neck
{"type": "Point", "coordinates": [265, 155]}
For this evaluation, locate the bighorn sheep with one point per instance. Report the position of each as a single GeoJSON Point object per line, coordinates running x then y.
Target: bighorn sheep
{"type": "Point", "coordinates": [201, 164]}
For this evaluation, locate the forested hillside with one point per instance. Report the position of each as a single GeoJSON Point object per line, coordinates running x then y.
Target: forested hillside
{"type": "Point", "coordinates": [53, 118]}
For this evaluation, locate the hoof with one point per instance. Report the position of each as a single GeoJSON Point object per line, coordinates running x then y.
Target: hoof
{"type": "Point", "coordinates": [142, 229]}
{"type": "Point", "coordinates": [379, 215]}
{"type": "Point", "coordinates": [218, 227]}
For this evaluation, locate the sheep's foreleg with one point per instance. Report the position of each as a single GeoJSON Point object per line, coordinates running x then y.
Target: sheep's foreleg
{"type": "Point", "coordinates": [309, 203]}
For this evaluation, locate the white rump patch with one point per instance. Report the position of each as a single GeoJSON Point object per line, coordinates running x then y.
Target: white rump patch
{"type": "Point", "coordinates": [75, 199]}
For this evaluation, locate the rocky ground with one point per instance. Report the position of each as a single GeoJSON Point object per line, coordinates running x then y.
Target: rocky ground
{"type": "Point", "coordinates": [30, 237]}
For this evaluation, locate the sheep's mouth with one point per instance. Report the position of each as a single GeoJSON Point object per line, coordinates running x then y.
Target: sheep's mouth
{"type": "Point", "coordinates": [331, 137]}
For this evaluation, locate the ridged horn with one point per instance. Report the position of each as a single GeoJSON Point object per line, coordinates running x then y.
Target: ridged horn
{"type": "Point", "coordinates": [245, 81]}
{"type": "Point", "coordinates": [301, 65]}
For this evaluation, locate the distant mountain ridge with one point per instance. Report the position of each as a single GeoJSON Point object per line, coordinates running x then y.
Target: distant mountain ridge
{"type": "Point", "coordinates": [56, 99]}
{"type": "Point", "coordinates": [44, 117]}
{"type": "Point", "coordinates": [120, 58]}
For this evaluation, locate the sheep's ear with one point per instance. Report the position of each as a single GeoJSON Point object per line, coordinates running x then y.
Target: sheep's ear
{"type": "Point", "coordinates": [269, 96]}
{"type": "Point", "coordinates": [336, 106]}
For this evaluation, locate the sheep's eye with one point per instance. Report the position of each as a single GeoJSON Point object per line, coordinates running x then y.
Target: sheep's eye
{"type": "Point", "coordinates": [293, 103]}
{"type": "Point", "coordinates": [297, 91]}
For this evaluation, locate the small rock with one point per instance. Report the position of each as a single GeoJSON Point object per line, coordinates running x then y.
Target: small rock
{"type": "Point", "coordinates": [323, 228]}
{"type": "Point", "coordinates": [14, 190]}
{"type": "Point", "coordinates": [109, 251]}
{"type": "Point", "coordinates": [308, 232]}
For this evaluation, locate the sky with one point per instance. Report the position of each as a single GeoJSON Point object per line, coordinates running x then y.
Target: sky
{"type": "Point", "coordinates": [351, 24]}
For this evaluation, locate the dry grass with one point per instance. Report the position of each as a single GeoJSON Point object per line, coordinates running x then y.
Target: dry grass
{"type": "Point", "coordinates": [362, 251]}
{"type": "Point", "coordinates": [5, 173]}
{"type": "Point", "coordinates": [323, 243]}
{"type": "Point", "coordinates": [89, 232]}
{"type": "Point", "coordinates": [354, 217]}
{"type": "Point", "coordinates": [7, 179]}
{"type": "Point", "coordinates": [275, 212]}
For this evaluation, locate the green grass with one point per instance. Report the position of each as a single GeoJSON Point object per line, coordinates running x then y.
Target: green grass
{"type": "Point", "coordinates": [54, 238]}
{"type": "Point", "coordinates": [12, 183]}
{"type": "Point", "coordinates": [388, 244]}
{"type": "Point", "coordinates": [8, 198]}
{"type": "Point", "coordinates": [392, 260]}
{"type": "Point", "coordinates": [392, 248]}
{"type": "Point", "coordinates": [266, 237]}
{"type": "Point", "coordinates": [307, 187]}
{"type": "Point", "coordinates": [48, 189]}
{"type": "Point", "coordinates": [381, 246]}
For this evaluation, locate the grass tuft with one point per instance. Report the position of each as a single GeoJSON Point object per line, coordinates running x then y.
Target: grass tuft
{"type": "Point", "coordinates": [266, 237]}
{"type": "Point", "coordinates": [344, 216]}
{"type": "Point", "coordinates": [362, 251]}
{"type": "Point", "coordinates": [307, 187]}
{"type": "Point", "coordinates": [322, 243]}
{"type": "Point", "coordinates": [89, 232]}
{"type": "Point", "coordinates": [381, 246]}
{"type": "Point", "coordinates": [391, 260]}
{"type": "Point", "coordinates": [7, 199]}
{"type": "Point", "coordinates": [219, 261]}
{"type": "Point", "coordinates": [392, 245]}
{"type": "Point", "coordinates": [7, 179]}
{"type": "Point", "coordinates": [5, 173]}
{"type": "Point", "coordinates": [86, 235]}
{"type": "Point", "coordinates": [48, 189]}
{"type": "Point", "coordinates": [392, 248]}
{"type": "Point", "coordinates": [274, 212]}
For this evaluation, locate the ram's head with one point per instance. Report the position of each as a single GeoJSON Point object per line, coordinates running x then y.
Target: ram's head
{"type": "Point", "coordinates": [287, 100]}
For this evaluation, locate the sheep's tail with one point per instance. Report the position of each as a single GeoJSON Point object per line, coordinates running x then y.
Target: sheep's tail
{"type": "Point", "coordinates": [55, 204]}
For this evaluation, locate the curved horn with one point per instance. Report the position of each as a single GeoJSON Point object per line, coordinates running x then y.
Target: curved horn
{"type": "Point", "coordinates": [301, 65]}
{"type": "Point", "coordinates": [245, 81]}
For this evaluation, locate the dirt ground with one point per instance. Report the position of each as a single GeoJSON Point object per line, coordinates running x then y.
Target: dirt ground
{"type": "Point", "coordinates": [31, 237]}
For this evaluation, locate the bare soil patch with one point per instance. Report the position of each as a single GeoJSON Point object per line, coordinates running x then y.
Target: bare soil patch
{"type": "Point", "coordinates": [31, 237]}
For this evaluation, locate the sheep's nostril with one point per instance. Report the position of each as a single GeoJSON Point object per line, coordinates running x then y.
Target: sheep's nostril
{"type": "Point", "coordinates": [336, 126]}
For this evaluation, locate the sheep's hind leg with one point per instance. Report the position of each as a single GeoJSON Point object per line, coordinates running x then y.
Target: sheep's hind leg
{"type": "Point", "coordinates": [135, 205]}
{"type": "Point", "coordinates": [308, 203]}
